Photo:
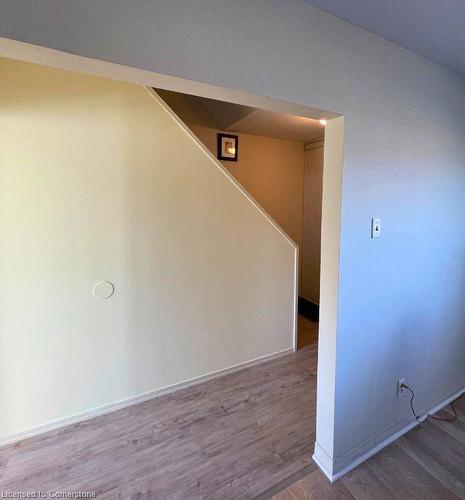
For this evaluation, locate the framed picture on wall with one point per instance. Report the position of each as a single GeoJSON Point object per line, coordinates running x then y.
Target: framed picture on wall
{"type": "Point", "coordinates": [228, 147]}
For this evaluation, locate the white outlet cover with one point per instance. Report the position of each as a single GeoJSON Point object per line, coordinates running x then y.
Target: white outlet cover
{"type": "Point", "coordinates": [375, 228]}
{"type": "Point", "coordinates": [103, 290]}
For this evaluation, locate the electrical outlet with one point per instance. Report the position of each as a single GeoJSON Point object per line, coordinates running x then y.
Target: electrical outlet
{"type": "Point", "coordinates": [400, 387]}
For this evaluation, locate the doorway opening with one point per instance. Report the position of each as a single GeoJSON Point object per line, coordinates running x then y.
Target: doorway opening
{"type": "Point", "coordinates": [330, 216]}
{"type": "Point", "coordinates": [278, 159]}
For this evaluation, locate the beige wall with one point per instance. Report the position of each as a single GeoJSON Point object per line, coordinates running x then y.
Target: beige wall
{"type": "Point", "coordinates": [311, 234]}
{"type": "Point", "coordinates": [99, 182]}
{"type": "Point", "coordinates": [272, 171]}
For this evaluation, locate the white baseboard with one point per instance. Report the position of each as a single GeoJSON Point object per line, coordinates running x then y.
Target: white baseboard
{"type": "Point", "coordinates": [324, 461]}
{"type": "Point", "coordinates": [335, 469]}
{"type": "Point", "coordinates": [133, 400]}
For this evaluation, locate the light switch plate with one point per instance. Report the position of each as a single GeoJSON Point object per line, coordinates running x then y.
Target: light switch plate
{"type": "Point", "coordinates": [375, 228]}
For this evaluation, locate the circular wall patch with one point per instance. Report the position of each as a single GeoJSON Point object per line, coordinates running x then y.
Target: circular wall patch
{"type": "Point", "coordinates": [103, 290]}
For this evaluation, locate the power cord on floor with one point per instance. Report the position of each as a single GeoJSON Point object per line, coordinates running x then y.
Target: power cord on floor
{"type": "Point", "coordinates": [419, 420]}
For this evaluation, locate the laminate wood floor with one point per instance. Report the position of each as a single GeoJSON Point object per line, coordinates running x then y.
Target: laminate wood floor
{"type": "Point", "coordinates": [307, 332]}
{"type": "Point", "coordinates": [234, 437]}
{"type": "Point", "coordinates": [426, 463]}
{"type": "Point", "coordinates": [249, 434]}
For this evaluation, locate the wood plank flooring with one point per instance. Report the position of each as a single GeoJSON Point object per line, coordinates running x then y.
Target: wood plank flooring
{"type": "Point", "coordinates": [249, 434]}
{"type": "Point", "coordinates": [307, 332]}
{"type": "Point", "coordinates": [426, 463]}
{"type": "Point", "coordinates": [233, 437]}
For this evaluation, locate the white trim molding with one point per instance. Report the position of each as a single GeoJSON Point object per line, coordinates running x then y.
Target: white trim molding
{"type": "Point", "coordinates": [133, 400]}
{"type": "Point", "coordinates": [339, 467]}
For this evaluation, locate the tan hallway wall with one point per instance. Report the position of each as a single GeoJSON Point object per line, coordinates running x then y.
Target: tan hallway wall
{"type": "Point", "coordinates": [272, 171]}
{"type": "Point", "coordinates": [99, 182]}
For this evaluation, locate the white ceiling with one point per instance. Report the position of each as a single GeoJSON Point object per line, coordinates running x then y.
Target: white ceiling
{"type": "Point", "coordinates": [279, 126]}
{"type": "Point", "coordinates": [431, 28]}
{"type": "Point", "coordinates": [229, 117]}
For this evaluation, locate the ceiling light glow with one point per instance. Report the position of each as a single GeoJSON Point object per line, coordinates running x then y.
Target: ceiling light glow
{"type": "Point", "coordinates": [323, 122]}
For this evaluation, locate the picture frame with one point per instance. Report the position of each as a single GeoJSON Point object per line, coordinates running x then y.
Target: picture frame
{"type": "Point", "coordinates": [228, 147]}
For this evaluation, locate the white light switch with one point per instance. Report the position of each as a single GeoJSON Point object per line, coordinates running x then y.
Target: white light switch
{"type": "Point", "coordinates": [375, 228]}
